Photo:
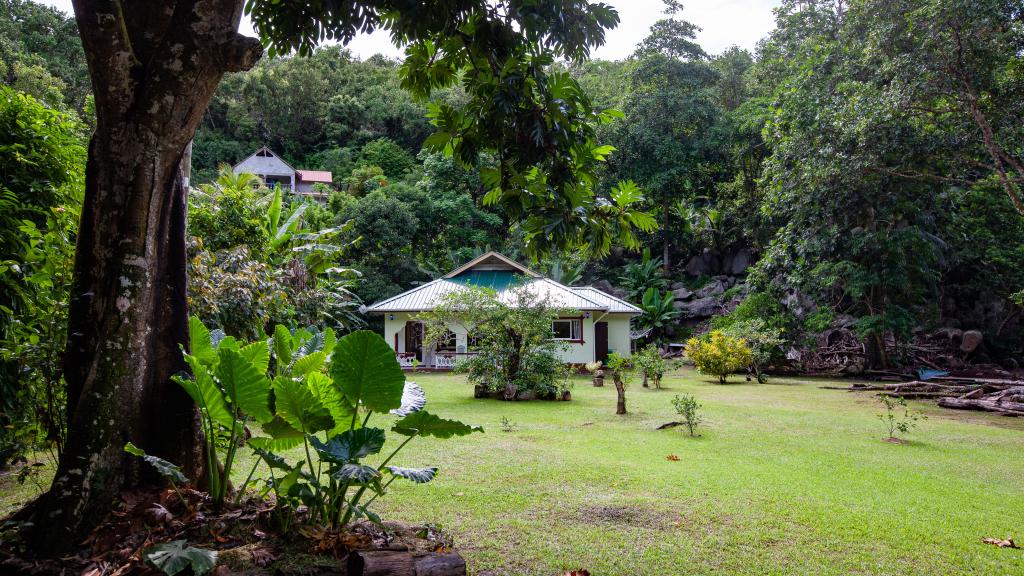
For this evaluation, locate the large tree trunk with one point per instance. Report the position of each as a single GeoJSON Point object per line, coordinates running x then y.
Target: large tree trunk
{"type": "Point", "coordinates": [154, 67]}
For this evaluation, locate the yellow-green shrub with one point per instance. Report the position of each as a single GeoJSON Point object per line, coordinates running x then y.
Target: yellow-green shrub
{"type": "Point", "coordinates": [719, 354]}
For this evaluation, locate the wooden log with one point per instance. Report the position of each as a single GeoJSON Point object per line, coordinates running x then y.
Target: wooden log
{"type": "Point", "coordinates": [450, 564]}
{"type": "Point", "coordinates": [387, 563]}
{"type": "Point", "coordinates": [1014, 408]}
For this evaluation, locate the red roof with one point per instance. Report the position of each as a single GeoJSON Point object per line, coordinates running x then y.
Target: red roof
{"type": "Point", "coordinates": [314, 176]}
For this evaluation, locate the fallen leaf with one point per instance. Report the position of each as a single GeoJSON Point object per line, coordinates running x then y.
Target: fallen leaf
{"type": "Point", "coordinates": [262, 557]}
{"type": "Point", "coordinates": [672, 457]}
{"type": "Point", "coordinates": [577, 573]}
{"type": "Point", "coordinates": [1000, 543]}
{"type": "Point", "coordinates": [157, 514]}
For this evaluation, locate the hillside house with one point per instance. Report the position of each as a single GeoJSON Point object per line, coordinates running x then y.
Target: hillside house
{"type": "Point", "coordinates": [273, 170]}
{"type": "Point", "coordinates": [598, 324]}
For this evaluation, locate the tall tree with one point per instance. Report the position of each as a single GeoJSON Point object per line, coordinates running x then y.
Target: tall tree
{"type": "Point", "coordinates": [154, 67]}
{"type": "Point", "coordinates": [959, 65]}
{"type": "Point", "coordinates": [852, 234]}
{"type": "Point", "coordinates": [665, 143]}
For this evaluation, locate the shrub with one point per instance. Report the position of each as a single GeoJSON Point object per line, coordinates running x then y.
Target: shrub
{"type": "Point", "coordinates": [651, 365]}
{"type": "Point", "coordinates": [757, 306]}
{"type": "Point", "coordinates": [718, 354]}
{"type": "Point", "coordinates": [765, 343]}
{"type": "Point", "coordinates": [513, 339]}
{"type": "Point", "coordinates": [232, 216]}
{"type": "Point", "coordinates": [689, 409]}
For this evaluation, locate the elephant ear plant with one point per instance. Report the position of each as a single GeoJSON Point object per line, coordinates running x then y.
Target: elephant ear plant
{"type": "Point", "coordinates": [363, 381]}
{"type": "Point", "coordinates": [229, 385]}
{"type": "Point", "coordinates": [311, 390]}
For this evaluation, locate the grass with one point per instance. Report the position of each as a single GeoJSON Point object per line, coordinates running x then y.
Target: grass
{"type": "Point", "coordinates": [785, 479]}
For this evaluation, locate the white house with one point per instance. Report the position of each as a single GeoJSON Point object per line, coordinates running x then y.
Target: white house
{"type": "Point", "coordinates": [273, 170]}
{"type": "Point", "coordinates": [597, 326]}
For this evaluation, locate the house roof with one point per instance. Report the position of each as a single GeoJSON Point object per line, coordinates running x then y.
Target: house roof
{"type": "Point", "coordinates": [614, 304]}
{"type": "Point", "coordinates": [492, 261]}
{"type": "Point", "coordinates": [314, 176]}
{"type": "Point", "coordinates": [259, 166]}
{"type": "Point", "coordinates": [501, 274]}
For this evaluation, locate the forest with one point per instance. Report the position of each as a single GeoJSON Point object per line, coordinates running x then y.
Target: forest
{"type": "Point", "coordinates": [850, 193]}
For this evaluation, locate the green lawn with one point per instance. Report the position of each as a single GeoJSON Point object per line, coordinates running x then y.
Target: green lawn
{"type": "Point", "coordinates": [786, 479]}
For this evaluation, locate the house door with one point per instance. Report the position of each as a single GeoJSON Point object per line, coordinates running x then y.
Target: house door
{"type": "Point", "coordinates": [414, 338]}
{"type": "Point", "coordinates": [601, 341]}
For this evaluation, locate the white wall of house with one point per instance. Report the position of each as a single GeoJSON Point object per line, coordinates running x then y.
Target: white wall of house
{"type": "Point", "coordinates": [618, 334]}
{"type": "Point", "coordinates": [571, 352]}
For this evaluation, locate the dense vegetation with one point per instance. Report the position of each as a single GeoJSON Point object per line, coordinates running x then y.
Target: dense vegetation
{"type": "Point", "coordinates": [852, 174]}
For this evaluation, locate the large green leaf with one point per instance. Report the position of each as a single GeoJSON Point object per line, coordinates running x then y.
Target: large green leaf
{"type": "Point", "coordinates": [165, 468]}
{"type": "Point", "coordinates": [413, 400]}
{"type": "Point", "coordinates": [200, 344]}
{"type": "Point", "coordinates": [246, 387]}
{"type": "Point", "coordinates": [273, 460]}
{"type": "Point", "coordinates": [205, 393]}
{"type": "Point", "coordinates": [358, 473]}
{"type": "Point", "coordinates": [282, 346]}
{"type": "Point", "coordinates": [282, 436]}
{"type": "Point", "coordinates": [299, 407]}
{"type": "Point", "coordinates": [340, 408]}
{"type": "Point", "coordinates": [364, 367]}
{"type": "Point", "coordinates": [174, 557]}
{"type": "Point", "coordinates": [313, 342]}
{"type": "Point", "coordinates": [330, 340]}
{"type": "Point", "coordinates": [258, 354]}
{"type": "Point", "coordinates": [350, 445]}
{"type": "Point", "coordinates": [312, 362]}
{"type": "Point", "coordinates": [426, 424]}
{"type": "Point", "coordinates": [417, 475]}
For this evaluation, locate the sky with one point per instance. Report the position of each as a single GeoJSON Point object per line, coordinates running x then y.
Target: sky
{"type": "Point", "coordinates": [723, 23]}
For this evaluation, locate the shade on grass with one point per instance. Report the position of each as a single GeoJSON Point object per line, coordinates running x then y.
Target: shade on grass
{"type": "Point", "coordinates": [785, 479]}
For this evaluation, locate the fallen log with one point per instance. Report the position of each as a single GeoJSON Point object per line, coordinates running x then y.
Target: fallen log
{"type": "Point", "coordinates": [388, 563]}
{"type": "Point", "coordinates": [1009, 408]}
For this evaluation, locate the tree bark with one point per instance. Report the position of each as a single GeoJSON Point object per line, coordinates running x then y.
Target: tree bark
{"type": "Point", "coordinates": [620, 389]}
{"type": "Point", "coordinates": [666, 246]}
{"type": "Point", "coordinates": [154, 68]}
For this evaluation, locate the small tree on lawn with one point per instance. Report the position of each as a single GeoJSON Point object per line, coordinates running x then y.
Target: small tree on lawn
{"type": "Point", "coordinates": [898, 418]}
{"type": "Point", "coordinates": [619, 367]}
{"type": "Point", "coordinates": [688, 407]}
{"type": "Point", "coordinates": [512, 338]}
{"type": "Point", "coordinates": [651, 365]}
{"type": "Point", "coordinates": [718, 354]}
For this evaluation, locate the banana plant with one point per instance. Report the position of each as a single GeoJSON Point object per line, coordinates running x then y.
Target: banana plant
{"type": "Point", "coordinates": [658, 311]}
{"type": "Point", "coordinates": [328, 414]}
{"type": "Point", "coordinates": [229, 385]}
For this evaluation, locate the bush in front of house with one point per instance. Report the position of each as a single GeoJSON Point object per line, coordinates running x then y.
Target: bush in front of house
{"type": "Point", "coordinates": [512, 348]}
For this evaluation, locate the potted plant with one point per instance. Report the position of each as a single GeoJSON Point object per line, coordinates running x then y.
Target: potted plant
{"type": "Point", "coordinates": [597, 373]}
